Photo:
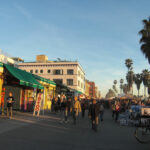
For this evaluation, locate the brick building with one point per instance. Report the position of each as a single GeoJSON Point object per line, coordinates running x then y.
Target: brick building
{"type": "Point", "coordinates": [92, 90]}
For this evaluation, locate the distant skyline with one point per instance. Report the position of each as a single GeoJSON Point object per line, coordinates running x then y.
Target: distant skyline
{"type": "Point", "coordinates": [99, 34]}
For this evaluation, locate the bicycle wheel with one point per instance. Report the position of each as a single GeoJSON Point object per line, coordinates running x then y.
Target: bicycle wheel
{"type": "Point", "coordinates": [142, 134]}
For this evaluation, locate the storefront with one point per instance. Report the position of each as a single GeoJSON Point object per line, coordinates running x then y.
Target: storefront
{"type": "Point", "coordinates": [49, 90]}
{"type": "Point", "coordinates": [23, 86]}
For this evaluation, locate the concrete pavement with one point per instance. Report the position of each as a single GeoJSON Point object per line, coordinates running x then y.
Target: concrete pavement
{"type": "Point", "coordinates": [49, 132]}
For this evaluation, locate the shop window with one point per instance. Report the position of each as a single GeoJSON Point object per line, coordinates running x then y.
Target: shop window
{"type": "Point", "coordinates": [36, 71]}
{"type": "Point", "coordinates": [70, 71]}
{"type": "Point", "coordinates": [48, 71]}
{"type": "Point", "coordinates": [69, 81]}
{"type": "Point", "coordinates": [41, 71]}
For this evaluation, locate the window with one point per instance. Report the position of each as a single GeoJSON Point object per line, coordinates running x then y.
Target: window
{"type": "Point", "coordinates": [41, 71]}
{"type": "Point", "coordinates": [81, 85]}
{"type": "Point", "coordinates": [79, 73]}
{"type": "Point", "coordinates": [36, 71]}
{"type": "Point", "coordinates": [31, 71]}
{"type": "Point", "coordinates": [58, 72]}
{"type": "Point", "coordinates": [48, 71]}
{"type": "Point", "coordinates": [78, 83]}
{"type": "Point", "coordinates": [69, 81]}
{"type": "Point", "coordinates": [70, 71]}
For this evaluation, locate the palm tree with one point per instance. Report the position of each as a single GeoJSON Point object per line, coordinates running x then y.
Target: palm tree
{"type": "Point", "coordinates": [115, 82]}
{"type": "Point", "coordinates": [144, 79]}
{"type": "Point", "coordinates": [121, 85]}
{"type": "Point", "coordinates": [138, 81]}
{"type": "Point", "coordinates": [128, 63]}
{"type": "Point", "coordinates": [130, 77]}
{"type": "Point", "coordinates": [114, 86]}
{"type": "Point", "coordinates": [145, 38]}
{"type": "Point", "coordinates": [125, 88]}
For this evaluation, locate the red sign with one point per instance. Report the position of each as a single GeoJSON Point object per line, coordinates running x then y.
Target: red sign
{"type": "Point", "coordinates": [3, 96]}
{"type": "Point", "coordinates": [37, 107]}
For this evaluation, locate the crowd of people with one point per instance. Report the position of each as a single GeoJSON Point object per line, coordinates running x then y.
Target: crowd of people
{"type": "Point", "coordinates": [71, 108]}
{"type": "Point", "coordinates": [120, 106]}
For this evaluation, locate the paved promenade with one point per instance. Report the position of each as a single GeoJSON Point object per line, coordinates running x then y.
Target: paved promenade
{"type": "Point", "coordinates": [25, 132]}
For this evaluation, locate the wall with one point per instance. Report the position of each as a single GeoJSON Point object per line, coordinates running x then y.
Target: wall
{"type": "Point", "coordinates": [57, 65]}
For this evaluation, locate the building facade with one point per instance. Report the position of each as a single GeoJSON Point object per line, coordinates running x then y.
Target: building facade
{"type": "Point", "coordinates": [92, 91]}
{"type": "Point", "coordinates": [69, 73]}
{"type": "Point", "coordinates": [87, 88]}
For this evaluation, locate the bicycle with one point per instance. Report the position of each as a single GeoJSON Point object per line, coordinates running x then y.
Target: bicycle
{"type": "Point", "coordinates": [142, 131]}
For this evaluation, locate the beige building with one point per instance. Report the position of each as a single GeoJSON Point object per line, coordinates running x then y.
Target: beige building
{"type": "Point", "coordinates": [69, 73]}
{"type": "Point", "coordinates": [87, 88]}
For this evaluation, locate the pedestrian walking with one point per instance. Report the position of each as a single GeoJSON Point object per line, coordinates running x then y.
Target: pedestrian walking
{"type": "Point", "coordinates": [67, 108]}
{"type": "Point", "coordinates": [76, 109]}
{"type": "Point", "coordinates": [10, 102]}
{"type": "Point", "coordinates": [53, 105]}
{"type": "Point", "coordinates": [94, 115]}
{"type": "Point", "coordinates": [113, 107]}
{"type": "Point", "coordinates": [83, 107]}
{"type": "Point", "coordinates": [101, 111]}
{"type": "Point", "coordinates": [117, 110]}
{"type": "Point", "coordinates": [59, 104]}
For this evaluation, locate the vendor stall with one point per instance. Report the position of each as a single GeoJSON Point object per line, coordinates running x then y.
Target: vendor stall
{"type": "Point", "coordinates": [49, 90]}
{"type": "Point", "coordinates": [21, 84]}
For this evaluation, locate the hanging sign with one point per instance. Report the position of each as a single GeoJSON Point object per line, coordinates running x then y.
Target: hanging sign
{"type": "Point", "coordinates": [37, 107]}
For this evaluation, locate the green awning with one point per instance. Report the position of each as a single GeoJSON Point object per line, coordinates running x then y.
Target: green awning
{"type": "Point", "coordinates": [79, 92]}
{"type": "Point", "coordinates": [24, 77]}
{"type": "Point", "coordinates": [43, 79]}
{"type": "Point", "coordinates": [1, 64]}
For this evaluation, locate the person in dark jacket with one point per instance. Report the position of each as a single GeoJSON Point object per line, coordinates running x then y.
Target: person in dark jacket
{"type": "Point", "coordinates": [94, 111]}
{"type": "Point", "coordinates": [67, 109]}
{"type": "Point", "coordinates": [10, 101]}
{"type": "Point", "coordinates": [83, 107]}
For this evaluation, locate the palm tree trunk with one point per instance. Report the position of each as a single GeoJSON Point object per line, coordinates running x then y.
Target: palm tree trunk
{"type": "Point", "coordinates": [144, 91]}
{"type": "Point", "coordinates": [138, 93]}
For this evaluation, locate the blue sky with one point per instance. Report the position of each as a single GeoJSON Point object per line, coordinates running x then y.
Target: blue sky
{"type": "Point", "coordinates": [100, 34]}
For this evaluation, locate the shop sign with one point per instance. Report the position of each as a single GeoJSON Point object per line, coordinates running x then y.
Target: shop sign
{"type": "Point", "coordinates": [37, 107]}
